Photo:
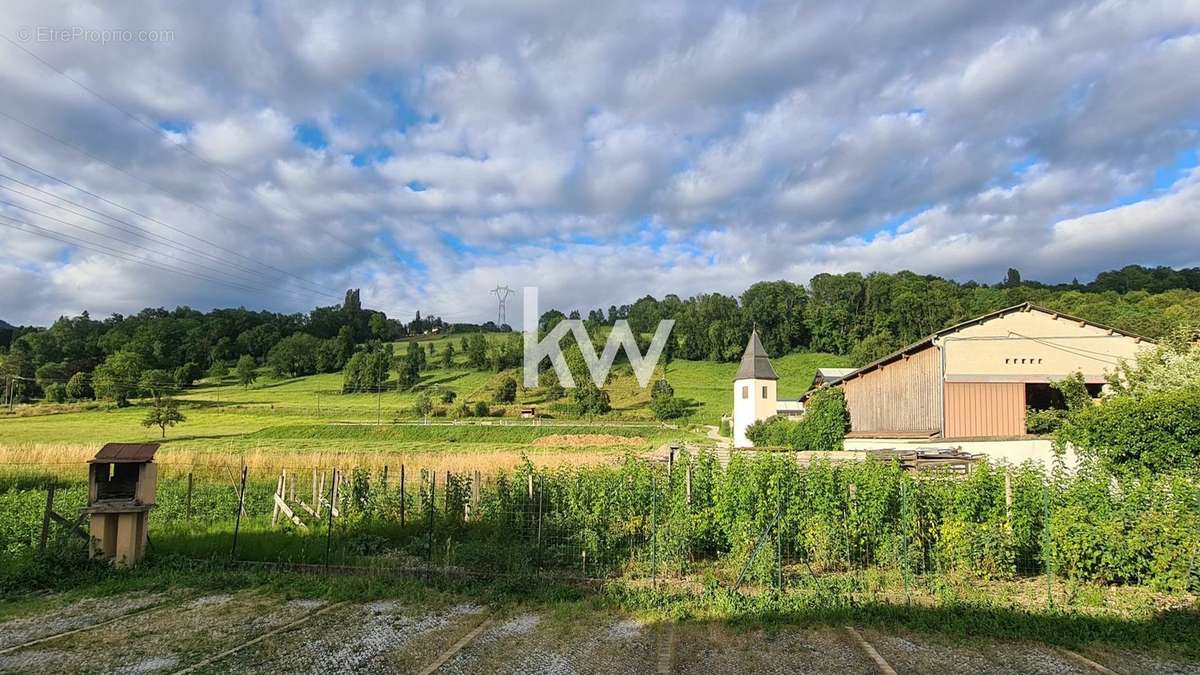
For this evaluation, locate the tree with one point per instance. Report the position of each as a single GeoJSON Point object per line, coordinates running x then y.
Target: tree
{"type": "Point", "coordinates": [776, 308]}
{"type": "Point", "coordinates": [663, 401]}
{"type": "Point", "coordinates": [78, 387]}
{"type": "Point", "coordinates": [157, 382]}
{"type": "Point", "coordinates": [186, 374]}
{"type": "Point", "coordinates": [295, 355]}
{"type": "Point", "coordinates": [481, 409]}
{"type": "Point", "coordinates": [368, 370]}
{"type": "Point", "coordinates": [49, 373]}
{"type": "Point", "coordinates": [408, 371]}
{"type": "Point", "coordinates": [218, 371]}
{"type": "Point", "coordinates": [117, 378]}
{"type": "Point", "coordinates": [448, 396]}
{"type": "Point", "coordinates": [423, 405]}
{"type": "Point", "coordinates": [507, 391]}
{"type": "Point", "coordinates": [55, 392]}
{"type": "Point", "coordinates": [477, 354]}
{"type": "Point", "coordinates": [590, 399]}
{"type": "Point", "coordinates": [448, 356]}
{"type": "Point", "coordinates": [872, 348]}
{"type": "Point", "coordinates": [380, 330]}
{"type": "Point", "coordinates": [246, 369]}
{"type": "Point", "coordinates": [164, 413]}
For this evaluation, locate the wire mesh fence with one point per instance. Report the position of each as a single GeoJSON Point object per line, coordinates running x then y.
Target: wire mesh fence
{"type": "Point", "coordinates": [755, 523]}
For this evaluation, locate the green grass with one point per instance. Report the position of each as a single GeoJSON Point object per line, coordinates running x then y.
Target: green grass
{"type": "Point", "coordinates": [227, 417]}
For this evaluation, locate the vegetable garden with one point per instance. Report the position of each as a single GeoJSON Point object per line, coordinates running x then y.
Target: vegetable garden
{"type": "Point", "coordinates": [762, 521]}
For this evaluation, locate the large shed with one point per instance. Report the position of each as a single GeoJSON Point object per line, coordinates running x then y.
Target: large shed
{"type": "Point", "coordinates": [975, 379]}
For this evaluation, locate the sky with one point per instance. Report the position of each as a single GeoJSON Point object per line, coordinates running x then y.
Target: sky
{"type": "Point", "coordinates": [271, 155]}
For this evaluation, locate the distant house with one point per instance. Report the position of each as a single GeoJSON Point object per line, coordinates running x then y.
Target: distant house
{"type": "Point", "coordinates": [974, 380]}
{"type": "Point", "coordinates": [827, 375]}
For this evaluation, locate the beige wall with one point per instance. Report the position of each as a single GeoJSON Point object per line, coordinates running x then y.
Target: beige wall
{"type": "Point", "coordinates": [1036, 450]}
{"type": "Point", "coordinates": [754, 407]}
{"type": "Point", "coordinates": [1033, 347]}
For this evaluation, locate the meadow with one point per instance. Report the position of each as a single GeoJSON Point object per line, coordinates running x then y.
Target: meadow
{"type": "Point", "coordinates": [311, 414]}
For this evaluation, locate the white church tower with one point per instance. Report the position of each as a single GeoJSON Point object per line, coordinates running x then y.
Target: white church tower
{"type": "Point", "coordinates": [754, 395]}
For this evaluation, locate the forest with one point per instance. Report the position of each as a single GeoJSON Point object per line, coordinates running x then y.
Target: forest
{"type": "Point", "coordinates": [864, 316]}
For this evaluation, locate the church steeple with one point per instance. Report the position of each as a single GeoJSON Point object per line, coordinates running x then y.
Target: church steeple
{"type": "Point", "coordinates": [756, 365]}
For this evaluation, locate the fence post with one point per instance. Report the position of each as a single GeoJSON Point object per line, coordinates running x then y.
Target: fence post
{"type": "Point", "coordinates": [689, 482]}
{"type": "Point", "coordinates": [402, 495]}
{"type": "Point", "coordinates": [237, 523]}
{"type": "Point", "coordinates": [46, 515]}
{"type": "Point", "coordinates": [1046, 547]}
{"type": "Point", "coordinates": [383, 483]}
{"type": "Point", "coordinates": [653, 528]}
{"type": "Point", "coordinates": [187, 508]}
{"type": "Point", "coordinates": [329, 524]}
{"type": "Point", "coordinates": [541, 491]}
{"type": "Point", "coordinates": [904, 561]}
{"type": "Point", "coordinates": [432, 505]}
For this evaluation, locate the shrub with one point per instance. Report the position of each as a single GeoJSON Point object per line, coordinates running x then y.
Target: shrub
{"type": "Point", "coordinates": [481, 409]}
{"type": "Point", "coordinates": [56, 392]}
{"type": "Point", "coordinates": [1157, 432]}
{"type": "Point", "coordinates": [823, 426]}
{"type": "Point", "coordinates": [1044, 421]}
{"type": "Point", "coordinates": [78, 387]}
{"type": "Point", "coordinates": [507, 391]}
{"type": "Point", "coordinates": [591, 400]}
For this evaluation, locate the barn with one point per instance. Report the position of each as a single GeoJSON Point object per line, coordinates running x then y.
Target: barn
{"type": "Point", "coordinates": [974, 380]}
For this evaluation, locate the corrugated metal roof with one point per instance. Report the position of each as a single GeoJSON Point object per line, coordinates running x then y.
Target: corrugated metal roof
{"type": "Point", "coordinates": [755, 363]}
{"type": "Point", "coordinates": [121, 453]}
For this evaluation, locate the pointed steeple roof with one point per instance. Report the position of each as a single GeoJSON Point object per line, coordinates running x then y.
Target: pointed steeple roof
{"type": "Point", "coordinates": [755, 363]}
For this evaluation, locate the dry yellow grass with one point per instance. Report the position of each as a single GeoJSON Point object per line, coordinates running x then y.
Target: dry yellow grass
{"type": "Point", "coordinates": [66, 459]}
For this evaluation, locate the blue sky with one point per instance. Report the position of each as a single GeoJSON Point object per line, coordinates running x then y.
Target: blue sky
{"type": "Point", "coordinates": [601, 151]}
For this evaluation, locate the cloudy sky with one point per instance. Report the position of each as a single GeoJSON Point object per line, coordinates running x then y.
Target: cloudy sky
{"type": "Point", "coordinates": [273, 154]}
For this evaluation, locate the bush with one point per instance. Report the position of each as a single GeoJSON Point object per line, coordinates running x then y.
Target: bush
{"type": "Point", "coordinates": [1043, 422]}
{"type": "Point", "coordinates": [56, 392]}
{"type": "Point", "coordinates": [78, 387]}
{"type": "Point", "coordinates": [481, 409]}
{"type": "Point", "coordinates": [823, 426]}
{"type": "Point", "coordinates": [507, 391]}
{"type": "Point", "coordinates": [1157, 432]}
{"type": "Point", "coordinates": [591, 400]}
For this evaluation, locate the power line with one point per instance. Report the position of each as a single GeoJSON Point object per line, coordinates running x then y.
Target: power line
{"type": "Point", "coordinates": [107, 236]}
{"type": "Point", "coordinates": [148, 250]}
{"type": "Point", "coordinates": [19, 225]}
{"type": "Point", "coordinates": [139, 179]}
{"type": "Point", "coordinates": [131, 229]}
{"type": "Point", "coordinates": [118, 108]}
{"type": "Point", "coordinates": [155, 220]}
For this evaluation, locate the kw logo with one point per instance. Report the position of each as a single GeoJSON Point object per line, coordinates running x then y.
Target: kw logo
{"type": "Point", "coordinates": [597, 365]}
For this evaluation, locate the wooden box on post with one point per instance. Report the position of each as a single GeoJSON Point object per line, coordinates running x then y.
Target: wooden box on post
{"type": "Point", "coordinates": [122, 481]}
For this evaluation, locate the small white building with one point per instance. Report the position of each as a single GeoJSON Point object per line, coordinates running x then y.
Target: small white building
{"type": "Point", "coordinates": [754, 391]}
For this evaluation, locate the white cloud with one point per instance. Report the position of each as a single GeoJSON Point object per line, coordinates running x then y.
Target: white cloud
{"type": "Point", "coordinates": [604, 150]}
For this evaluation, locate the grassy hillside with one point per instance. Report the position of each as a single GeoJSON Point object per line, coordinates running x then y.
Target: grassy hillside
{"type": "Point", "coordinates": [310, 413]}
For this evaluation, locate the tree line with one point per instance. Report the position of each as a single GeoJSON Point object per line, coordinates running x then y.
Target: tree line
{"type": "Point", "coordinates": [81, 357]}
{"type": "Point", "coordinates": [867, 316]}
{"type": "Point", "coordinates": [864, 316]}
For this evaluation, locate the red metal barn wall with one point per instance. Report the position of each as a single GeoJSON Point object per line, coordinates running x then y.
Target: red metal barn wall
{"type": "Point", "coordinates": [985, 409]}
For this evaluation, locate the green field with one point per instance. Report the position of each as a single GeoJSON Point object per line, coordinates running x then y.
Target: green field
{"type": "Point", "coordinates": [311, 414]}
